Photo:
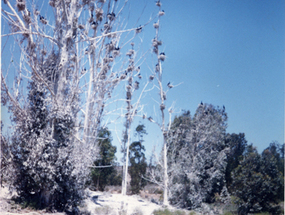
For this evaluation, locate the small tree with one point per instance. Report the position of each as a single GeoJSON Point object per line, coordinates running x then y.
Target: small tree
{"type": "Point", "coordinates": [257, 183]}
{"type": "Point", "coordinates": [103, 176]}
{"type": "Point", "coordinates": [138, 162]}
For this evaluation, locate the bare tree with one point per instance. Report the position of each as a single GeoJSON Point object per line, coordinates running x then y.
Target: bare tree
{"type": "Point", "coordinates": [157, 75]}
{"type": "Point", "coordinates": [76, 57]}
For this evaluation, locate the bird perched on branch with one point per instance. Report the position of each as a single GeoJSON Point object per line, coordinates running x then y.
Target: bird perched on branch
{"type": "Point", "coordinates": [161, 56]}
{"type": "Point", "coordinates": [139, 29]}
{"type": "Point", "coordinates": [43, 20]}
{"type": "Point", "coordinates": [94, 25]}
{"type": "Point", "coordinates": [169, 85]}
{"type": "Point", "coordinates": [111, 16]}
{"type": "Point", "coordinates": [136, 85]}
{"type": "Point", "coordinates": [161, 13]}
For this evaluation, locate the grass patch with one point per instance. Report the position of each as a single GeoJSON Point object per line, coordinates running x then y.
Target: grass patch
{"type": "Point", "coordinates": [228, 213]}
{"type": "Point", "coordinates": [137, 211]}
{"type": "Point", "coordinates": [105, 210]}
{"type": "Point", "coordinates": [169, 212]}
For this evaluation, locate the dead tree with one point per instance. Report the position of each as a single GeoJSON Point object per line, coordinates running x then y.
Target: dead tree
{"type": "Point", "coordinates": [77, 56]}
{"type": "Point", "coordinates": [162, 165]}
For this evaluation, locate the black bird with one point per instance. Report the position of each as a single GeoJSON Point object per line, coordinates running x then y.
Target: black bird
{"type": "Point", "coordinates": [94, 25]}
{"type": "Point", "coordinates": [157, 68]}
{"type": "Point", "coordinates": [201, 103]}
{"type": "Point", "coordinates": [139, 29]}
{"type": "Point", "coordinates": [139, 69]}
{"type": "Point", "coordinates": [111, 16]}
{"type": "Point", "coordinates": [169, 85]}
{"type": "Point", "coordinates": [43, 20]}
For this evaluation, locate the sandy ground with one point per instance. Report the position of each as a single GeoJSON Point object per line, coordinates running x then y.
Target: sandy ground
{"type": "Point", "coordinates": [99, 202]}
{"type": "Point", "coordinates": [96, 203]}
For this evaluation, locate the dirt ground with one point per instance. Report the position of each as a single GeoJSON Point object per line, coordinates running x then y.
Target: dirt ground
{"type": "Point", "coordinates": [109, 203]}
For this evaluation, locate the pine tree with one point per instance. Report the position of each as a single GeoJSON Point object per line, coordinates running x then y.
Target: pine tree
{"type": "Point", "coordinates": [101, 177]}
{"type": "Point", "coordinates": [138, 162]}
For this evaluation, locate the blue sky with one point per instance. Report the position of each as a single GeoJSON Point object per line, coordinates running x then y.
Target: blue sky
{"type": "Point", "coordinates": [227, 53]}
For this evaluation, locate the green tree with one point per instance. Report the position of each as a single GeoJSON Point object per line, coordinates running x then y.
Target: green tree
{"type": "Point", "coordinates": [237, 144]}
{"type": "Point", "coordinates": [256, 183]}
{"type": "Point", "coordinates": [274, 155]}
{"type": "Point", "coordinates": [105, 172]}
{"type": "Point", "coordinates": [138, 161]}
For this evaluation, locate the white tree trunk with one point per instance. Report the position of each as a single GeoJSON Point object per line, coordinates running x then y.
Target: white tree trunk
{"type": "Point", "coordinates": [165, 181]}
{"type": "Point", "coordinates": [124, 190]}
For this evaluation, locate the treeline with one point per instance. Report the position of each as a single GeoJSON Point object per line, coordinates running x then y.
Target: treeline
{"type": "Point", "coordinates": [206, 165]}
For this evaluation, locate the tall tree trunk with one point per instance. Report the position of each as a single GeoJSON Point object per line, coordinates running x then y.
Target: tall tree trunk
{"type": "Point", "coordinates": [165, 175]}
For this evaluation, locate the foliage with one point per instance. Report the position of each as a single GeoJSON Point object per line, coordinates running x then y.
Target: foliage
{"type": "Point", "coordinates": [257, 183]}
{"type": "Point", "coordinates": [42, 171]}
{"type": "Point", "coordinates": [197, 157]}
{"type": "Point", "coordinates": [138, 167]}
{"type": "Point", "coordinates": [104, 176]}
{"type": "Point", "coordinates": [276, 150]}
{"type": "Point", "coordinates": [138, 162]}
{"type": "Point", "coordinates": [237, 144]}
{"type": "Point", "coordinates": [5, 156]}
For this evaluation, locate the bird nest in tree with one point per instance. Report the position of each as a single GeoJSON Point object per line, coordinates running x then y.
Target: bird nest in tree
{"type": "Point", "coordinates": [21, 5]}
{"type": "Point", "coordinates": [161, 13]}
{"type": "Point", "coordinates": [99, 14]}
{"type": "Point", "coordinates": [139, 30]}
{"type": "Point", "coordinates": [161, 56]}
{"type": "Point", "coordinates": [155, 25]}
{"type": "Point", "coordinates": [123, 76]}
{"type": "Point", "coordinates": [81, 26]}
